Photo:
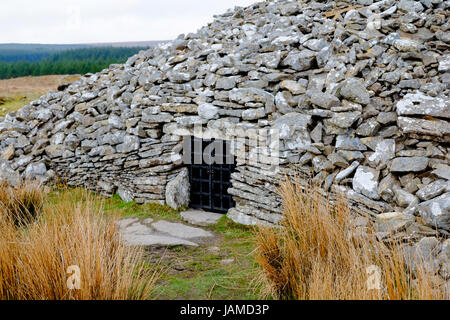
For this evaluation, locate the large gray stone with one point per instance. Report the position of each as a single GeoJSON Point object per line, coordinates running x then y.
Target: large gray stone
{"type": "Point", "coordinates": [300, 61]}
{"type": "Point", "coordinates": [420, 104]}
{"type": "Point", "coordinates": [226, 83]}
{"type": "Point", "coordinates": [324, 100]}
{"type": "Point", "coordinates": [35, 170]}
{"type": "Point", "coordinates": [436, 212]}
{"type": "Point", "coordinates": [201, 218]}
{"type": "Point", "coordinates": [384, 152]}
{"type": "Point", "coordinates": [245, 95]}
{"type": "Point", "coordinates": [294, 87]}
{"type": "Point", "coordinates": [181, 231]}
{"type": "Point", "coordinates": [345, 119]}
{"type": "Point", "coordinates": [8, 174]}
{"type": "Point", "coordinates": [403, 198]}
{"type": "Point", "coordinates": [442, 171]}
{"type": "Point", "coordinates": [290, 123]}
{"type": "Point", "coordinates": [366, 182]}
{"type": "Point", "coordinates": [208, 111]}
{"type": "Point", "coordinates": [353, 90]}
{"type": "Point", "coordinates": [406, 45]}
{"type": "Point", "coordinates": [433, 190]}
{"type": "Point", "coordinates": [135, 233]}
{"type": "Point", "coordinates": [125, 195]}
{"type": "Point", "coordinates": [409, 164]}
{"type": "Point", "coordinates": [178, 191]}
{"type": "Point", "coordinates": [130, 143]}
{"type": "Point", "coordinates": [348, 143]}
{"type": "Point", "coordinates": [7, 153]}
{"type": "Point", "coordinates": [393, 222]}
{"type": "Point", "coordinates": [270, 59]}
{"type": "Point", "coordinates": [141, 235]}
{"type": "Point", "coordinates": [421, 127]}
{"type": "Point", "coordinates": [423, 256]}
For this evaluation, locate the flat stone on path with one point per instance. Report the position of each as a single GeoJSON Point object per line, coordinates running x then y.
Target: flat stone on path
{"type": "Point", "coordinates": [149, 240]}
{"type": "Point", "coordinates": [148, 221]}
{"type": "Point", "coordinates": [181, 230]}
{"type": "Point", "coordinates": [135, 232]}
{"type": "Point", "coordinates": [201, 218]}
{"type": "Point", "coordinates": [126, 222]}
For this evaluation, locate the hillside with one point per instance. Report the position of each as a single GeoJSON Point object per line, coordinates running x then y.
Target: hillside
{"type": "Point", "coordinates": [18, 92]}
{"type": "Point", "coordinates": [30, 52]}
{"type": "Point", "coordinates": [14, 52]}
{"type": "Point", "coordinates": [72, 61]}
{"type": "Point", "coordinates": [20, 60]}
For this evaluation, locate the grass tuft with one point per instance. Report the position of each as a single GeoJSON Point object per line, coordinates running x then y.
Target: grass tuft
{"type": "Point", "coordinates": [21, 205]}
{"type": "Point", "coordinates": [316, 256]}
{"type": "Point", "coordinates": [37, 260]}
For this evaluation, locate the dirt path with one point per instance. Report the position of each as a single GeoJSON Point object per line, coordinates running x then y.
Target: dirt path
{"type": "Point", "coordinates": [200, 256]}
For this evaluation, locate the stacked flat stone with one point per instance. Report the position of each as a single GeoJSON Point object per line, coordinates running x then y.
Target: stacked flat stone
{"type": "Point", "coordinates": [359, 91]}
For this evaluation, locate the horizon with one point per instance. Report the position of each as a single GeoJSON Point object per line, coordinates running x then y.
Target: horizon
{"type": "Point", "coordinates": [105, 21]}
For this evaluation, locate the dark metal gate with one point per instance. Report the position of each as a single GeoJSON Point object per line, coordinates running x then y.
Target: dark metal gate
{"type": "Point", "coordinates": [210, 182]}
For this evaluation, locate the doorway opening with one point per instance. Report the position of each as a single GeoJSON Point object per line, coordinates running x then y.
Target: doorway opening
{"type": "Point", "coordinates": [210, 172]}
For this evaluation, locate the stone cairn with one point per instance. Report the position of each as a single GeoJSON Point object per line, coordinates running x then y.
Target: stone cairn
{"type": "Point", "coordinates": [359, 91]}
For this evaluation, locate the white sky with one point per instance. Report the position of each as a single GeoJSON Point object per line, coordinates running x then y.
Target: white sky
{"type": "Point", "coordinates": [88, 21]}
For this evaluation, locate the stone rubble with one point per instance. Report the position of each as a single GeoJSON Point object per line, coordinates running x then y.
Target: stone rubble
{"type": "Point", "coordinates": [358, 91]}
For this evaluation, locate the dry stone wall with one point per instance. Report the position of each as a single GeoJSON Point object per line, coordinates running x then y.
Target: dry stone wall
{"type": "Point", "coordinates": [358, 92]}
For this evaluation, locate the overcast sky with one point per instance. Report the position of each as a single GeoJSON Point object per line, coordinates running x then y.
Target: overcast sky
{"type": "Point", "coordinates": [90, 21]}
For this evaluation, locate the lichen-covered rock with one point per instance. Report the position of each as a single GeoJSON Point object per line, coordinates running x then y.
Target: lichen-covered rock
{"type": "Point", "coordinates": [423, 105]}
{"type": "Point", "coordinates": [403, 198]}
{"type": "Point", "coordinates": [8, 174]}
{"type": "Point", "coordinates": [35, 170]}
{"type": "Point", "coordinates": [353, 90]}
{"type": "Point", "coordinates": [323, 100]}
{"type": "Point", "coordinates": [436, 212]}
{"type": "Point", "coordinates": [208, 111]}
{"type": "Point", "coordinates": [409, 164]}
{"type": "Point", "coordinates": [433, 190]}
{"type": "Point", "coordinates": [366, 182]}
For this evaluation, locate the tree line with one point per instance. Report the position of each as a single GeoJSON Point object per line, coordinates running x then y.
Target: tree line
{"type": "Point", "coordinates": [15, 52]}
{"type": "Point", "coordinates": [73, 61]}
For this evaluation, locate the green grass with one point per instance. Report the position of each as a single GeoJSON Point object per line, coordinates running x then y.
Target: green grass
{"type": "Point", "coordinates": [15, 102]}
{"type": "Point", "coordinates": [194, 273]}
{"type": "Point", "coordinates": [132, 209]}
{"type": "Point", "coordinates": [197, 273]}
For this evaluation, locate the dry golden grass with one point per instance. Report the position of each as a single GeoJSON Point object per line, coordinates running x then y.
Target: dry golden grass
{"type": "Point", "coordinates": [35, 259]}
{"type": "Point", "coordinates": [315, 255]}
{"type": "Point", "coordinates": [21, 205]}
{"type": "Point", "coordinates": [40, 84]}
{"type": "Point", "coordinates": [18, 92]}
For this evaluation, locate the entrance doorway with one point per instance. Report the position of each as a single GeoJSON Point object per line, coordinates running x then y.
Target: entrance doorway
{"type": "Point", "coordinates": [210, 178]}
